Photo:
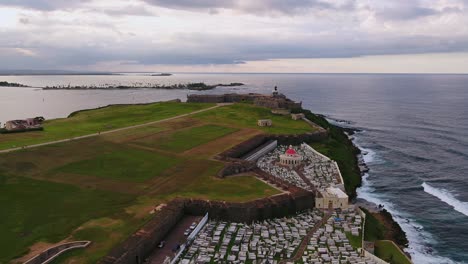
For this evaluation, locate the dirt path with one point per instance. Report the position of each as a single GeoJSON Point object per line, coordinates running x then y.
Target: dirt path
{"type": "Point", "coordinates": [109, 131]}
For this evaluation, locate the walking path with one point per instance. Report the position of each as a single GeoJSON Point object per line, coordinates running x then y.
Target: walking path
{"type": "Point", "coordinates": [109, 131]}
{"type": "Point", "coordinates": [305, 241]}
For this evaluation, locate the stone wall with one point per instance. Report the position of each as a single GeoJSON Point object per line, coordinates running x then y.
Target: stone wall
{"type": "Point", "coordinates": [257, 210]}
{"type": "Point", "coordinates": [139, 246]}
{"type": "Point", "coordinates": [268, 101]}
{"type": "Point", "coordinates": [51, 253]}
{"type": "Point", "coordinates": [243, 148]}
{"type": "Point", "coordinates": [236, 167]}
{"type": "Point", "coordinates": [299, 139]}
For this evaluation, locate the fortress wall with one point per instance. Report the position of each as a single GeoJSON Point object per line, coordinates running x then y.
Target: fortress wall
{"type": "Point", "coordinates": [301, 138]}
{"type": "Point", "coordinates": [258, 210]}
{"type": "Point", "coordinates": [236, 168]}
{"type": "Point", "coordinates": [240, 150]}
{"type": "Point", "coordinates": [243, 148]}
{"type": "Point", "coordinates": [140, 245]}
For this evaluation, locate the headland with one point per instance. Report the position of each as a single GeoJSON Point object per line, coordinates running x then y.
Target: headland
{"type": "Point", "coordinates": [125, 176]}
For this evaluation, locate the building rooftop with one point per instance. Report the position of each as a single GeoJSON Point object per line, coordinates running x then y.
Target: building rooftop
{"type": "Point", "coordinates": [291, 151]}
{"type": "Point", "coordinates": [334, 192]}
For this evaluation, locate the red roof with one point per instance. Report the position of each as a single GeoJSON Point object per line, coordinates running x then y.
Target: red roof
{"type": "Point", "coordinates": [291, 151]}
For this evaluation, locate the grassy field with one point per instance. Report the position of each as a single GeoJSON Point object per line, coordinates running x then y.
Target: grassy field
{"type": "Point", "coordinates": [188, 138]}
{"type": "Point", "coordinates": [387, 251]}
{"type": "Point", "coordinates": [355, 241]}
{"type": "Point", "coordinates": [123, 164]}
{"type": "Point", "coordinates": [98, 120]}
{"type": "Point", "coordinates": [340, 149]}
{"type": "Point", "coordinates": [102, 188]}
{"type": "Point", "coordinates": [35, 210]}
{"type": "Point", "coordinates": [247, 115]}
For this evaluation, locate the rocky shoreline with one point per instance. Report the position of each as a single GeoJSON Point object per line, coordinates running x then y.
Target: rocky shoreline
{"type": "Point", "coordinates": [393, 230]}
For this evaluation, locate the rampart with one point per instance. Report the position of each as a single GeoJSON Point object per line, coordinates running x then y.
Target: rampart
{"type": "Point", "coordinates": [269, 101]}
{"type": "Point", "coordinates": [140, 245]}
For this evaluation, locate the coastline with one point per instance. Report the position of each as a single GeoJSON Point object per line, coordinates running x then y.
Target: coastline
{"type": "Point", "coordinates": [390, 227]}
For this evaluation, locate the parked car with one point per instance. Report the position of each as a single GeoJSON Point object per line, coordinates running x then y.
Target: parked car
{"type": "Point", "coordinates": [162, 244]}
{"type": "Point", "coordinates": [194, 224]}
{"type": "Point", "coordinates": [187, 232]}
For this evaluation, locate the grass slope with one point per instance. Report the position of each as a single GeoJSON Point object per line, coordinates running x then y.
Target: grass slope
{"type": "Point", "coordinates": [106, 185]}
{"type": "Point", "coordinates": [102, 119]}
{"type": "Point", "coordinates": [339, 148]}
{"type": "Point", "coordinates": [247, 115]}
{"type": "Point", "coordinates": [387, 251]}
{"type": "Point", "coordinates": [123, 164]}
{"type": "Point", "coordinates": [186, 139]}
{"type": "Point", "coordinates": [38, 210]}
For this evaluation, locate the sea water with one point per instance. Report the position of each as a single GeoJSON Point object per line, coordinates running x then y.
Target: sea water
{"type": "Point", "coordinates": [414, 129]}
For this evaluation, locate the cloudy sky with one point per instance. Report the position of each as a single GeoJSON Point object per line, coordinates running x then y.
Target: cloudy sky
{"type": "Point", "coordinates": [422, 36]}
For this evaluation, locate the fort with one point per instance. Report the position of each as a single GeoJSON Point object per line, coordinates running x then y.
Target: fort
{"type": "Point", "coordinates": [274, 101]}
{"type": "Point", "coordinates": [199, 159]}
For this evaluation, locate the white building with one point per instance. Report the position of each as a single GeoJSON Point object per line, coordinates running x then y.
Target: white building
{"type": "Point", "coordinates": [290, 158]}
{"type": "Point", "coordinates": [264, 122]}
{"type": "Point", "coordinates": [331, 197]}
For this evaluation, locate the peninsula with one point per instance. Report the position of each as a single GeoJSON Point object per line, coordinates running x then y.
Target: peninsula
{"type": "Point", "coordinates": [189, 86]}
{"type": "Point", "coordinates": [8, 84]}
{"type": "Point", "coordinates": [220, 178]}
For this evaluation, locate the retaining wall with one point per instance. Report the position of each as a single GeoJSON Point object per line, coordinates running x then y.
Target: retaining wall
{"type": "Point", "coordinates": [258, 210]}
{"type": "Point", "coordinates": [51, 253]}
{"type": "Point", "coordinates": [140, 245]}
{"type": "Point", "coordinates": [374, 258]}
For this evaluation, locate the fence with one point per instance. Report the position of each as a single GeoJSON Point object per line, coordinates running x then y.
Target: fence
{"type": "Point", "coordinates": [190, 238]}
{"type": "Point", "coordinates": [51, 253]}
{"type": "Point", "coordinates": [262, 151]}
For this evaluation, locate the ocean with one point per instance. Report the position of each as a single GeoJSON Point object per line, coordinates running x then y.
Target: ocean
{"type": "Point", "coordinates": [414, 129]}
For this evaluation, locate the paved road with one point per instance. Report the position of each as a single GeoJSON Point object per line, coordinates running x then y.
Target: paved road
{"type": "Point", "coordinates": [109, 131]}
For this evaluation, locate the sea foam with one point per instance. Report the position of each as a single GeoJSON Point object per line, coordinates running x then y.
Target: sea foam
{"type": "Point", "coordinates": [419, 239]}
{"type": "Point", "coordinates": [446, 197]}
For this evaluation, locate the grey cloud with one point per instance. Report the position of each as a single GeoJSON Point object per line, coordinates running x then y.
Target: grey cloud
{"type": "Point", "coordinates": [235, 50]}
{"type": "Point", "coordinates": [130, 10]}
{"type": "Point", "coordinates": [408, 10]}
{"type": "Point", "coordinates": [43, 5]}
{"type": "Point", "coordinates": [253, 6]}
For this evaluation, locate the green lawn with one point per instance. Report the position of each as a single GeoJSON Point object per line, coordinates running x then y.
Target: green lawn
{"type": "Point", "coordinates": [186, 139]}
{"type": "Point", "coordinates": [128, 164]}
{"type": "Point", "coordinates": [93, 121]}
{"type": "Point", "coordinates": [355, 241]}
{"type": "Point", "coordinates": [33, 210]}
{"type": "Point", "coordinates": [339, 148]}
{"type": "Point", "coordinates": [345, 158]}
{"type": "Point", "coordinates": [374, 230]}
{"type": "Point", "coordinates": [233, 189]}
{"type": "Point", "coordinates": [387, 251]}
{"type": "Point", "coordinates": [247, 115]}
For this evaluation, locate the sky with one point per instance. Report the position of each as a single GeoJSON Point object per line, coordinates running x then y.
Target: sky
{"type": "Point", "coordinates": [322, 36]}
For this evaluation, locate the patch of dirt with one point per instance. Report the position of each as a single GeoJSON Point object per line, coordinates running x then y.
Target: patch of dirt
{"type": "Point", "coordinates": [221, 144]}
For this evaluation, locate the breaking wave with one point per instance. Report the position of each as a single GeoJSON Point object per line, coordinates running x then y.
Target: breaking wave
{"type": "Point", "coordinates": [419, 239]}
{"type": "Point", "coordinates": [446, 197]}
